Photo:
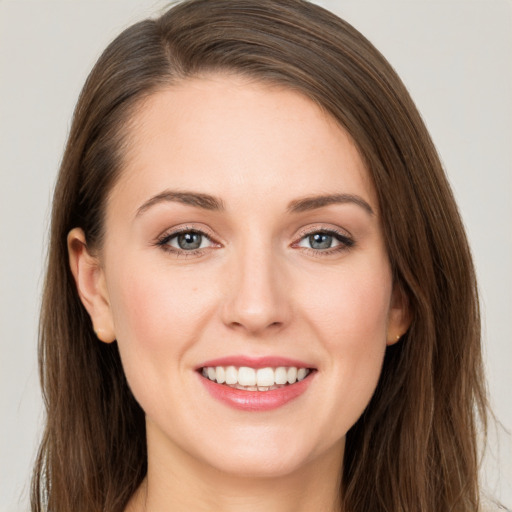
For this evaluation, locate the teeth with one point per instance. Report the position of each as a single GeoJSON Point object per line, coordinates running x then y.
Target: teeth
{"type": "Point", "coordinates": [246, 376]}
{"type": "Point", "coordinates": [251, 379]}
{"type": "Point", "coordinates": [265, 377]}
{"type": "Point", "coordinates": [220, 374]}
{"type": "Point", "coordinates": [281, 375]}
{"type": "Point", "coordinates": [291, 375]}
{"type": "Point", "coordinates": [231, 375]}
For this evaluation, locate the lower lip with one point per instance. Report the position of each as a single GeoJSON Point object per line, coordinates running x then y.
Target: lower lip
{"type": "Point", "coordinates": [256, 400]}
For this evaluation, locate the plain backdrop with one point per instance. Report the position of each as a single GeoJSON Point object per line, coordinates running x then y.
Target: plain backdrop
{"type": "Point", "coordinates": [454, 56]}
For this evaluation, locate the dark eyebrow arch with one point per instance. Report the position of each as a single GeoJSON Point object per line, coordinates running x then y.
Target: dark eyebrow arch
{"type": "Point", "coordinates": [314, 202]}
{"type": "Point", "coordinates": [205, 201]}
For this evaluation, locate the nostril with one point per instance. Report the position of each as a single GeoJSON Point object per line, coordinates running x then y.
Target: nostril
{"type": "Point", "coordinates": [240, 325]}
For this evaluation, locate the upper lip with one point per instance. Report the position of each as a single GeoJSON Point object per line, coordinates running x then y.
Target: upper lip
{"type": "Point", "coordinates": [255, 362]}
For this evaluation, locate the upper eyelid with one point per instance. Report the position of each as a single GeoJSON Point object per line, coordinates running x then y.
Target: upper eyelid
{"type": "Point", "coordinates": [323, 229]}
{"type": "Point", "coordinates": [172, 232]}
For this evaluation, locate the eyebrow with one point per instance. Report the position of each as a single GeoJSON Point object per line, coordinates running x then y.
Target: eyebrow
{"type": "Point", "coordinates": [209, 202]}
{"type": "Point", "coordinates": [315, 202]}
{"type": "Point", "coordinates": [205, 201]}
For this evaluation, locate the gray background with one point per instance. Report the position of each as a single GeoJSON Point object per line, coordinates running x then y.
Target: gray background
{"type": "Point", "coordinates": [456, 59]}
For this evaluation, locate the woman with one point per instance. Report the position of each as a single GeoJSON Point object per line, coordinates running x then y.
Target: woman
{"type": "Point", "coordinates": [259, 290]}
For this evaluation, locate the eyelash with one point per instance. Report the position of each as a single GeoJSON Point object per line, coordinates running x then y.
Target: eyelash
{"type": "Point", "coordinates": [163, 241]}
{"type": "Point", "coordinates": [345, 242]}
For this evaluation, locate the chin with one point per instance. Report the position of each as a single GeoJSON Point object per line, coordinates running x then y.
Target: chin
{"type": "Point", "coordinates": [263, 456]}
{"type": "Point", "coordinates": [255, 466]}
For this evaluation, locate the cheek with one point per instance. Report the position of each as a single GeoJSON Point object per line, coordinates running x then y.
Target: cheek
{"type": "Point", "coordinates": [155, 308]}
{"type": "Point", "coordinates": [158, 316]}
{"type": "Point", "coordinates": [351, 306]}
{"type": "Point", "coordinates": [350, 317]}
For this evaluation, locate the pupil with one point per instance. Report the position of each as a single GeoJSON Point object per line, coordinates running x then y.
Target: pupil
{"type": "Point", "coordinates": [189, 241]}
{"type": "Point", "coordinates": [320, 241]}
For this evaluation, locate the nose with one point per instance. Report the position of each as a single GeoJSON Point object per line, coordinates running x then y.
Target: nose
{"type": "Point", "coordinates": [257, 299]}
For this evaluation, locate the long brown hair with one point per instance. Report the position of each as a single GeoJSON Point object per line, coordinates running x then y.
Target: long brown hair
{"type": "Point", "coordinates": [415, 446]}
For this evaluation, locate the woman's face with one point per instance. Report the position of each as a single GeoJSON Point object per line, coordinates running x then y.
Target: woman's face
{"type": "Point", "coordinates": [243, 232]}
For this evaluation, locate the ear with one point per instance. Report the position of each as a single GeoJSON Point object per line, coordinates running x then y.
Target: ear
{"type": "Point", "coordinates": [399, 319]}
{"type": "Point", "coordinates": [91, 285]}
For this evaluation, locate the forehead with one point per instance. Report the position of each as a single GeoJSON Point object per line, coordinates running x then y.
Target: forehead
{"type": "Point", "coordinates": [232, 138]}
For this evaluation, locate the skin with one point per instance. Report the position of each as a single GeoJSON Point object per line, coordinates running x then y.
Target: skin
{"type": "Point", "coordinates": [258, 288]}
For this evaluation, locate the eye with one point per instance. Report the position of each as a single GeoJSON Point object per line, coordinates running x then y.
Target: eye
{"type": "Point", "coordinates": [189, 240]}
{"type": "Point", "coordinates": [319, 241]}
{"type": "Point", "coordinates": [325, 241]}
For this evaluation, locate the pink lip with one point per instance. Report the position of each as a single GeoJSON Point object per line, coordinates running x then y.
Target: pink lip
{"type": "Point", "coordinates": [255, 362]}
{"type": "Point", "coordinates": [256, 400]}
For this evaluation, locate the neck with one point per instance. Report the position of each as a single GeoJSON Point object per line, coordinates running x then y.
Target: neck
{"type": "Point", "coordinates": [178, 482]}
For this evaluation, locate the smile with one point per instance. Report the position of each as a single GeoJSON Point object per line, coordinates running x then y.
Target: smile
{"type": "Point", "coordinates": [256, 384]}
{"type": "Point", "coordinates": [255, 379]}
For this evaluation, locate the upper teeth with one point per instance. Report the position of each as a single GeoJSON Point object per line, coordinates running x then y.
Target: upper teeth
{"type": "Point", "coordinates": [257, 378]}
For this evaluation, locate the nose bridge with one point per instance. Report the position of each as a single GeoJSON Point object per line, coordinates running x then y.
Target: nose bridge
{"type": "Point", "coordinates": [256, 298]}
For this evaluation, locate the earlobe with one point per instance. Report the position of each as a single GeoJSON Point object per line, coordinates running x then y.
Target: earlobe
{"type": "Point", "coordinates": [91, 286]}
{"type": "Point", "coordinates": [400, 318]}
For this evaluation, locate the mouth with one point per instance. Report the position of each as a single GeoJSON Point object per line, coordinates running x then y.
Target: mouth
{"type": "Point", "coordinates": [260, 384]}
{"type": "Point", "coordinates": [255, 379]}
